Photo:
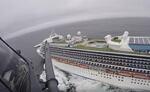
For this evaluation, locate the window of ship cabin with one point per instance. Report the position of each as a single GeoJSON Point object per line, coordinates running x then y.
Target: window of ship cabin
{"type": "Point", "coordinates": [144, 71]}
{"type": "Point", "coordinates": [127, 69]}
{"type": "Point", "coordinates": [140, 71]}
{"type": "Point", "coordinates": [100, 65]}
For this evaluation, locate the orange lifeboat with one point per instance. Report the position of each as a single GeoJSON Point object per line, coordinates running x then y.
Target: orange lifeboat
{"type": "Point", "coordinates": [140, 75]}
{"type": "Point", "coordinates": [109, 71]}
{"type": "Point", "coordinates": [125, 73]}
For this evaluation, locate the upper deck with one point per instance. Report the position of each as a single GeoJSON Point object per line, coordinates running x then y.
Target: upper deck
{"type": "Point", "coordinates": [115, 45]}
{"type": "Point", "coordinates": [104, 50]}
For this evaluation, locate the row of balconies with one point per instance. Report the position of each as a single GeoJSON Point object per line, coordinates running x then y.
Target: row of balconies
{"type": "Point", "coordinates": [112, 62]}
{"type": "Point", "coordinates": [108, 66]}
{"type": "Point", "coordinates": [105, 57]}
{"type": "Point", "coordinates": [128, 60]}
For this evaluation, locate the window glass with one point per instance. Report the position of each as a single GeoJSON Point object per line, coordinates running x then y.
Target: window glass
{"type": "Point", "coordinates": [14, 71]}
{"type": "Point", "coordinates": [3, 88]}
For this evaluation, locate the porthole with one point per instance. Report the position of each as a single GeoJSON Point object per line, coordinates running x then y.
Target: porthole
{"type": "Point", "coordinates": [115, 67]}
{"type": "Point", "coordinates": [147, 72]}
{"type": "Point", "coordinates": [147, 84]}
{"type": "Point", "coordinates": [135, 79]}
{"type": "Point", "coordinates": [105, 66]}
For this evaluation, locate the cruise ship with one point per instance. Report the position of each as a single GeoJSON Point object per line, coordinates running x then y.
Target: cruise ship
{"type": "Point", "coordinates": [121, 61]}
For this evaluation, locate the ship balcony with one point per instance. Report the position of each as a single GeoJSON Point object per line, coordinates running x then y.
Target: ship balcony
{"type": "Point", "coordinates": [111, 62]}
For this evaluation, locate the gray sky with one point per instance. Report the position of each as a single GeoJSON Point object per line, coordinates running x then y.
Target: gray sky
{"type": "Point", "coordinates": [22, 16]}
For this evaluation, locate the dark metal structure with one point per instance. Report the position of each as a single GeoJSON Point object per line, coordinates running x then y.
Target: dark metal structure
{"type": "Point", "coordinates": [50, 77]}
{"type": "Point", "coordinates": [17, 74]}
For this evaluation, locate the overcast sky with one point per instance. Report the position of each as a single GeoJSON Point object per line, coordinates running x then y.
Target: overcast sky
{"type": "Point", "coordinates": [22, 16]}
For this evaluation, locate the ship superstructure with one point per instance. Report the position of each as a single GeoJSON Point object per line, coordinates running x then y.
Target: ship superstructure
{"type": "Point", "coordinates": [121, 69]}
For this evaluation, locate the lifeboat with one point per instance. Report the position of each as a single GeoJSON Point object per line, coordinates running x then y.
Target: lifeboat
{"type": "Point", "coordinates": [125, 73]}
{"type": "Point", "coordinates": [83, 66]}
{"type": "Point", "coordinates": [109, 71]}
{"type": "Point", "coordinates": [140, 75]}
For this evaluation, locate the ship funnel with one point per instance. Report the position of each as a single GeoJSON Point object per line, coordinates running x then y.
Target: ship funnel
{"type": "Point", "coordinates": [79, 33]}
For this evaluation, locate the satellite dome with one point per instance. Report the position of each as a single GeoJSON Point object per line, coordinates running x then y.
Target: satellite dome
{"type": "Point", "coordinates": [126, 33]}
{"type": "Point", "coordinates": [61, 37]}
{"type": "Point", "coordinates": [78, 33]}
{"type": "Point", "coordinates": [108, 38]}
{"type": "Point", "coordinates": [68, 36]}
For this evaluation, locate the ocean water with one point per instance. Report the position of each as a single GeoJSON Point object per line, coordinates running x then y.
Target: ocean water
{"type": "Point", "coordinates": [93, 29]}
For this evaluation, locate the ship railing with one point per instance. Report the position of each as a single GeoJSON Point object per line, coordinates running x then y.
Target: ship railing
{"type": "Point", "coordinates": [121, 67]}
{"type": "Point", "coordinates": [136, 59]}
{"type": "Point", "coordinates": [122, 73]}
{"type": "Point", "coordinates": [126, 61]}
{"type": "Point", "coordinates": [114, 62]}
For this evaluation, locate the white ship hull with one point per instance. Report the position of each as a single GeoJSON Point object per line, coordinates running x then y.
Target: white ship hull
{"type": "Point", "coordinates": [116, 80]}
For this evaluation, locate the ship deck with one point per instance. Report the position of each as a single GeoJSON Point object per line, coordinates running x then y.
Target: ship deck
{"type": "Point", "coordinates": [101, 50]}
{"type": "Point", "coordinates": [84, 45]}
{"type": "Point", "coordinates": [109, 50]}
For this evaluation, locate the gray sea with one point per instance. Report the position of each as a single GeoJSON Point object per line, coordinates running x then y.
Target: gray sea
{"type": "Point", "coordinates": [96, 28]}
